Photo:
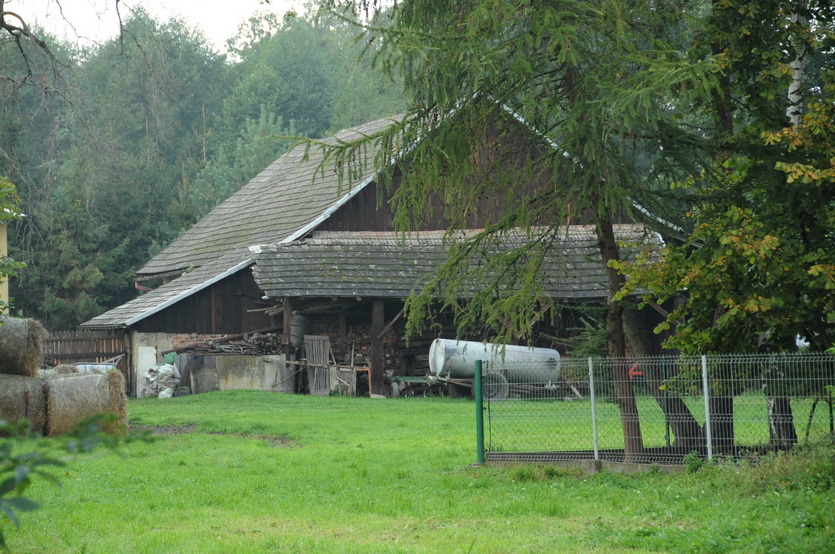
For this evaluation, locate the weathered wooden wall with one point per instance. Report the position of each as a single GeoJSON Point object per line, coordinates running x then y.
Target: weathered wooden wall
{"type": "Point", "coordinates": [223, 308]}
{"type": "Point", "coordinates": [85, 345]}
{"type": "Point", "coordinates": [89, 345]}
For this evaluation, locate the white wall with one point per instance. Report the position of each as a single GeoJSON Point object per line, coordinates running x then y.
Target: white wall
{"type": "Point", "coordinates": [146, 352]}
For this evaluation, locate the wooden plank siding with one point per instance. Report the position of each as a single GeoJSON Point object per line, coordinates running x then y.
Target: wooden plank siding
{"type": "Point", "coordinates": [88, 345]}
{"type": "Point", "coordinates": [364, 213]}
{"type": "Point", "coordinates": [223, 308]}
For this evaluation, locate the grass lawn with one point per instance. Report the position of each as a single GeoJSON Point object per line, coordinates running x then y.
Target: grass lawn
{"type": "Point", "coordinates": [247, 471]}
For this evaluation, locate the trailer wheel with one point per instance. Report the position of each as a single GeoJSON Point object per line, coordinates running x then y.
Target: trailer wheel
{"type": "Point", "coordinates": [495, 386]}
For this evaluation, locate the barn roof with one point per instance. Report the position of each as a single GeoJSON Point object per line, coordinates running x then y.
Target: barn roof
{"type": "Point", "coordinates": [285, 201]}
{"type": "Point", "coordinates": [391, 265]}
{"type": "Point", "coordinates": [288, 201]}
{"type": "Point", "coordinates": [289, 196]}
{"type": "Point", "coordinates": [166, 295]}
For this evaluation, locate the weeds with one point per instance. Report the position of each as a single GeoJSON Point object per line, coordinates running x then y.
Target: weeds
{"type": "Point", "coordinates": [810, 467]}
{"type": "Point", "coordinates": [692, 462]}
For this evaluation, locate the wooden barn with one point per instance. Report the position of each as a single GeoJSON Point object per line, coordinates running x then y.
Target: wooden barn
{"type": "Point", "coordinates": [353, 285]}
{"type": "Point", "coordinates": [304, 250]}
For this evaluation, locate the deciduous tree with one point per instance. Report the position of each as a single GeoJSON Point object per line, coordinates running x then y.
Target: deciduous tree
{"type": "Point", "coordinates": [758, 266]}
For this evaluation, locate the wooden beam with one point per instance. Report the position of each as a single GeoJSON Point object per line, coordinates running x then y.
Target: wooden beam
{"type": "Point", "coordinates": [658, 308]}
{"type": "Point", "coordinates": [213, 309]}
{"type": "Point", "coordinates": [378, 358]}
{"type": "Point", "coordinates": [392, 322]}
{"type": "Point", "coordinates": [288, 312]}
{"type": "Point", "coordinates": [333, 306]}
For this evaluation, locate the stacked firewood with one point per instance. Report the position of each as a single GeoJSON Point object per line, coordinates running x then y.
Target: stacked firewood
{"type": "Point", "coordinates": [252, 345]}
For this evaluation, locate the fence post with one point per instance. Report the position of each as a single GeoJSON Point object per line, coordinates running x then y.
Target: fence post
{"type": "Point", "coordinates": [708, 436]}
{"type": "Point", "coordinates": [479, 412]}
{"type": "Point", "coordinates": [593, 410]}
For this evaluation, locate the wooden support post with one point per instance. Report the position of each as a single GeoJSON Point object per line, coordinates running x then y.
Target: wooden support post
{"type": "Point", "coordinates": [288, 313]}
{"type": "Point", "coordinates": [213, 310]}
{"type": "Point", "coordinates": [378, 358]}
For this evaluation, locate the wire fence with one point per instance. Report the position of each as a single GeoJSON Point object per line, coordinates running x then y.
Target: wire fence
{"type": "Point", "coordinates": [656, 410]}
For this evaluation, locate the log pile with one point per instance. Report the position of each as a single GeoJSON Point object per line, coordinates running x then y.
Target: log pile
{"type": "Point", "coordinates": [400, 358]}
{"type": "Point", "coordinates": [255, 344]}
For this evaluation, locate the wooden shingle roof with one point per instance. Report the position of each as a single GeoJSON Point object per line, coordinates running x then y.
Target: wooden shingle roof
{"type": "Point", "coordinates": [389, 265]}
{"type": "Point", "coordinates": [166, 295]}
{"type": "Point", "coordinates": [286, 200]}
{"type": "Point", "coordinates": [290, 194]}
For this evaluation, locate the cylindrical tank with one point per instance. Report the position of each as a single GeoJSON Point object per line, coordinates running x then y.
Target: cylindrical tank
{"type": "Point", "coordinates": [523, 364]}
{"type": "Point", "coordinates": [299, 325]}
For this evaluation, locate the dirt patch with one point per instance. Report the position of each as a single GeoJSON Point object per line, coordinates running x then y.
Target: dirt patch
{"type": "Point", "coordinates": [277, 441]}
{"type": "Point", "coordinates": [164, 429]}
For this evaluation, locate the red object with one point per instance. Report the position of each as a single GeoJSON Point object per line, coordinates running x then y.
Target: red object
{"type": "Point", "coordinates": [635, 372]}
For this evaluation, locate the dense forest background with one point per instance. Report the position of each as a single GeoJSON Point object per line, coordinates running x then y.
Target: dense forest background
{"type": "Point", "coordinates": [116, 149]}
{"type": "Point", "coordinates": [716, 117]}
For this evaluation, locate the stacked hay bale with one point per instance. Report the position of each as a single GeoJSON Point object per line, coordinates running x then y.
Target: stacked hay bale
{"type": "Point", "coordinates": [56, 400]}
{"type": "Point", "coordinates": [21, 346]}
{"type": "Point", "coordinates": [21, 393]}
{"type": "Point", "coordinates": [23, 398]}
{"type": "Point", "coordinates": [74, 397]}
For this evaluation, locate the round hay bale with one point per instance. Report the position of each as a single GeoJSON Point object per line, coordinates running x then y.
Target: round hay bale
{"type": "Point", "coordinates": [21, 346]}
{"type": "Point", "coordinates": [63, 369]}
{"type": "Point", "coordinates": [74, 397]}
{"type": "Point", "coordinates": [23, 398]}
{"type": "Point", "coordinates": [47, 373]}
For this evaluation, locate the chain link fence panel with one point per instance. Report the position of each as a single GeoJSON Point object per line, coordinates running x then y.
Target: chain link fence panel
{"type": "Point", "coordinates": [656, 410]}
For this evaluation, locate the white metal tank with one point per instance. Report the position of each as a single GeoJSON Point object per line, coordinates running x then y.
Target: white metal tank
{"type": "Point", "coordinates": [456, 359]}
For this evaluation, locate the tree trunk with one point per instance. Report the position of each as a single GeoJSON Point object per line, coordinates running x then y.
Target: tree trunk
{"type": "Point", "coordinates": [781, 429]}
{"type": "Point", "coordinates": [722, 424]}
{"type": "Point", "coordinates": [632, 438]}
{"type": "Point", "coordinates": [685, 428]}
{"type": "Point", "coordinates": [794, 111]}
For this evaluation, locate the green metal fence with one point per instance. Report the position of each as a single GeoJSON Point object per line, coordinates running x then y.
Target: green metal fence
{"type": "Point", "coordinates": [655, 410]}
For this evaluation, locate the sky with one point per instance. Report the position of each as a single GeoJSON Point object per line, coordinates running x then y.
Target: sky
{"type": "Point", "coordinates": [93, 21]}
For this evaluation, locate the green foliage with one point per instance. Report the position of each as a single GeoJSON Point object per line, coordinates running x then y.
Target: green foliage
{"type": "Point", "coordinates": [118, 148]}
{"type": "Point", "coordinates": [692, 462]}
{"type": "Point", "coordinates": [16, 473]}
{"type": "Point", "coordinates": [589, 338]}
{"type": "Point", "coordinates": [307, 70]}
{"type": "Point", "coordinates": [491, 289]}
{"type": "Point", "coordinates": [810, 467]}
{"type": "Point", "coordinates": [9, 206]}
{"type": "Point", "coordinates": [758, 266]}
{"type": "Point", "coordinates": [260, 142]}
{"type": "Point", "coordinates": [17, 470]}
{"type": "Point", "coordinates": [9, 201]}
{"type": "Point", "coordinates": [603, 83]}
